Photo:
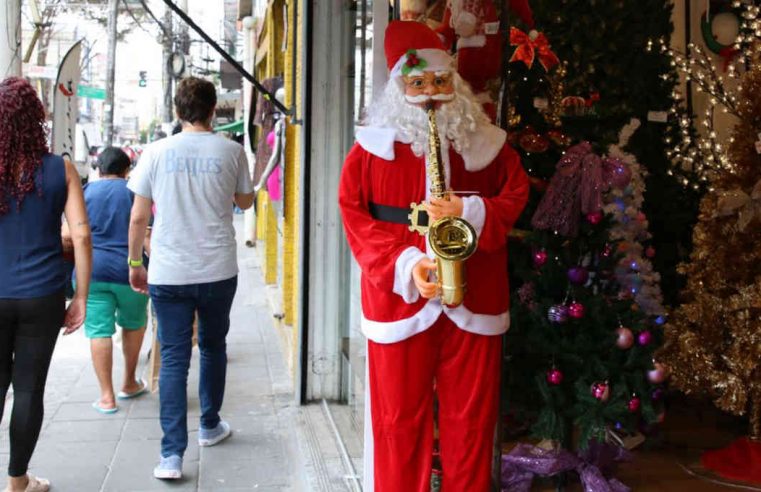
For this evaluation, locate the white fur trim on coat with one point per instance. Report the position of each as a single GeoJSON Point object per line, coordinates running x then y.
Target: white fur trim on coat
{"type": "Point", "coordinates": [403, 283]}
{"type": "Point", "coordinates": [474, 212]}
{"type": "Point", "coordinates": [485, 144]}
{"type": "Point", "coordinates": [396, 331]}
{"type": "Point", "coordinates": [377, 141]}
{"type": "Point", "coordinates": [481, 324]}
{"type": "Point", "coordinates": [476, 41]}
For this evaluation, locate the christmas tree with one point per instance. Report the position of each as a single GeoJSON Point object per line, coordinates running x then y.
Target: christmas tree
{"type": "Point", "coordinates": [580, 347]}
{"type": "Point", "coordinates": [611, 77]}
{"type": "Point", "coordinates": [622, 297]}
{"type": "Point", "coordinates": [713, 339]}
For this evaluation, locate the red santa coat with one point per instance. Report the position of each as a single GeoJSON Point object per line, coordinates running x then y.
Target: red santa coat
{"type": "Point", "coordinates": [383, 170]}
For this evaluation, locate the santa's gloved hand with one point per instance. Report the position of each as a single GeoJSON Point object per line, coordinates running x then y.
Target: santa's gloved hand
{"type": "Point", "coordinates": [444, 207]}
{"type": "Point", "coordinates": [420, 273]}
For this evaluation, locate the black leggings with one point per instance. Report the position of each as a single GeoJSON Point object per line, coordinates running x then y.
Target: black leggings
{"type": "Point", "coordinates": [28, 332]}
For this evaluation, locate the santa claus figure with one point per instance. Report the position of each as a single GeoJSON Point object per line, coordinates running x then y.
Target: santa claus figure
{"type": "Point", "coordinates": [413, 10]}
{"type": "Point", "coordinates": [414, 340]}
{"type": "Point", "coordinates": [471, 27]}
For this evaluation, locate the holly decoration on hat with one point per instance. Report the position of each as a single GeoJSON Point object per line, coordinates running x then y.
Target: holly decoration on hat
{"type": "Point", "coordinates": [413, 62]}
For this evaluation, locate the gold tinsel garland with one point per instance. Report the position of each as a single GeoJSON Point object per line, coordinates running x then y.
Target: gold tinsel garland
{"type": "Point", "coordinates": [713, 340]}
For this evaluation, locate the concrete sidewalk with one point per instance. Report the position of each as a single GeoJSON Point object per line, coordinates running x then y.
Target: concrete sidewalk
{"type": "Point", "coordinates": [81, 450]}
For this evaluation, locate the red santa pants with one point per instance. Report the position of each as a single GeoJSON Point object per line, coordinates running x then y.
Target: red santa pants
{"type": "Point", "coordinates": [466, 369]}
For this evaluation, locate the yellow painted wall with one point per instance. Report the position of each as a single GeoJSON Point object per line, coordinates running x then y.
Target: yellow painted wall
{"type": "Point", "coordinates": [282, 252]}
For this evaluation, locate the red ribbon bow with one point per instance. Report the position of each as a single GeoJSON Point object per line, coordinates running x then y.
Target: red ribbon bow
{"type": "Point", "coordinates": [531, 46]}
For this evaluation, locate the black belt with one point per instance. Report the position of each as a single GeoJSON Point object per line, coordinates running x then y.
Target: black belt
{"type": "Point", "coordinates": [396, 215]}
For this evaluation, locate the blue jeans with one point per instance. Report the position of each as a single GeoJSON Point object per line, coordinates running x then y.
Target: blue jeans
{"type": "Point", "coordinates": [175, 307]}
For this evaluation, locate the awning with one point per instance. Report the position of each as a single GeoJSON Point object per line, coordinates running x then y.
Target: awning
{"type": "Point", "coordinates": [234, 127]}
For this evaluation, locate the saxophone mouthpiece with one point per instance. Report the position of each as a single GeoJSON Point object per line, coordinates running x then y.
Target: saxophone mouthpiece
{"type": "Point", "coordinates": [430, 105]}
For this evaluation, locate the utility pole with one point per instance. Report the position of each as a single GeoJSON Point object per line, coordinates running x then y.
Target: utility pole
{"type": "Point", "coordinates": [10, 39]}
{"type": "Point", "coordinates": [184, 36]}
{"type": "Point", "coordinates": [110, 102]}
{"type": "Point", "coordinates": [168, 113]}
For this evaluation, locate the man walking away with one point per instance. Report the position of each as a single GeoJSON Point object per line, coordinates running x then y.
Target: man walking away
{"type": "Point", "coordinates": [193, 178]}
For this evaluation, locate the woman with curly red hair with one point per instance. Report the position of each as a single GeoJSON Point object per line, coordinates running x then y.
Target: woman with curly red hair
{"type": "Point", "coordinates": [36, 188]}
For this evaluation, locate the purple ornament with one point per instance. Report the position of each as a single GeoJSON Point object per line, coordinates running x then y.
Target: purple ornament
{"type": "Point", "coordinates": [617, 173]}
{"type": "Point", "coordinates": [557, 313]}
{"type": "Point", "coordinates": [540, 258]}
{"type": "Point", "coordinates": [578, 275]}
{"type": "Point", "coordinates": [576, 310]}
{"type": "Point", "coordinates": [644, 337]}
{"type": "Point", "coordinates": [657, 394]}
{"type": "Point", "coordinates": [601, 391]}
{"type": "Point", "coordinates": [554, 376]}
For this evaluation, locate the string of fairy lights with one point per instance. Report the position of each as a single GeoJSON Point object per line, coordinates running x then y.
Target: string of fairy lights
{"type": "Point", "coordinates": [697, 154]}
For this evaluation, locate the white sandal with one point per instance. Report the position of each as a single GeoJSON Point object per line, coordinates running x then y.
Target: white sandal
{"type": "Point", "coordinates": [35, 485]}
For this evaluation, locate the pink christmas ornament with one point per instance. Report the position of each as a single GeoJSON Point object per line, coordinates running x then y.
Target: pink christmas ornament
{"type": "Point", "coordinates": [601, 391]}
{"type": "Point", "coordinates": [658, 374]}
{"type": "Point", "coordinates": [634, 404]}
{"type": "Point", "coordinates": [594, 218]}
{"type": "Point", "coordinates": [576, 310]}
{"type": "Point", "coordinates": [554, 376]}
{"type": "Point", "coordinates": [650, 252]}
{"type": "Point", "coordinates": [625, 338]}
{"type": "Point", "coordinates": [540, 258]}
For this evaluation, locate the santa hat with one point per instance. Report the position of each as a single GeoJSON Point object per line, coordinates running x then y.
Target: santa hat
{"type": "Point", "coordinates": [413, 48]}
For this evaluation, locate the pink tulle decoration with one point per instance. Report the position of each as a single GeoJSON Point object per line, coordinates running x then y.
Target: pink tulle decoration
{"type": "Point", "coordinates": [575, 189]}
{"type": "Point", "coordinates": [271, 139]}
{"type": "Point", "coordinates": [273, 185]}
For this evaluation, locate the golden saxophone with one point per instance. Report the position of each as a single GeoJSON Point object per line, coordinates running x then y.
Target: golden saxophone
{"type": "Point", "coordinates": [452, 239]}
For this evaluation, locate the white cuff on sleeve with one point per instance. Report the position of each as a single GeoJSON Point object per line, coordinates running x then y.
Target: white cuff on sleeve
{"type": "Point", "coordinates": [474, 211]}
{"type": "Point", "coordinates": [403, 283]}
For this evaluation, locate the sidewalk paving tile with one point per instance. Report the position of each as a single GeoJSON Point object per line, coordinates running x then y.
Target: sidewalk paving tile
{"type": "Point", "coordinates": [81, 450]}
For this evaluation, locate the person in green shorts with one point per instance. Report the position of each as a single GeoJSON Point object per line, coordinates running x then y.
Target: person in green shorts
{"type": "Point", "coordinates": [111, 300]}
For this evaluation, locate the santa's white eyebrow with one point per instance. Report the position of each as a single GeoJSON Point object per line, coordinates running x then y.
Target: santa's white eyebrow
{"type": "Point", "coordinates": [441, 73]}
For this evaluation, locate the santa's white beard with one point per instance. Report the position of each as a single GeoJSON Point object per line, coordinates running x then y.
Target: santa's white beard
{"type": "Point", "coordinates": [457, 120]}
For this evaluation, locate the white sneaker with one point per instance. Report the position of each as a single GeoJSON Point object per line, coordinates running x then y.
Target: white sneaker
{"type": "Point", "coordinates": [210, 437]}
{"type": "Point", "coordinates": [169, 468]}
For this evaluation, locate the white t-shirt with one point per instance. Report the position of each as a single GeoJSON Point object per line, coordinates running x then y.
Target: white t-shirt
{"type": "Point", "coordinates": [192, 178]}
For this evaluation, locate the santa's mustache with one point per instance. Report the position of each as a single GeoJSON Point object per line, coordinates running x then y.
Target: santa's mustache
{"type": "Point", "coordinates": [424, 98]}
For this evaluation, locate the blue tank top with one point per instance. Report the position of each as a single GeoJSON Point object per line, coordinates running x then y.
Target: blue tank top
{"type": "Point", "coordinates": [31, 253]}
{"type": "Point", "coordinates": [109, 203]}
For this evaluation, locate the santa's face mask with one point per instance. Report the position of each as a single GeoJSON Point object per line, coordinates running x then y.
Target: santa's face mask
{"type": "Point", "coordinates": [437, 87]}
